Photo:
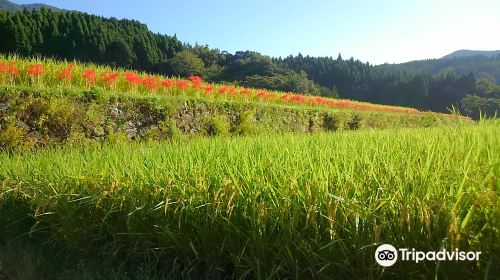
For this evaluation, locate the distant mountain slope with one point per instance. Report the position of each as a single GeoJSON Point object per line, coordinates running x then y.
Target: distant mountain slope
{"type": "Point", "coordinates": [467, 53]}
{"type": "Point", "coordinates": [484, 64]}
{"type": "Point", "coordinates": [12, 7]}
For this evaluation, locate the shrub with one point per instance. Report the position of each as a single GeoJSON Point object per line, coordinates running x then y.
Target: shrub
{"type": "Point", "coordinates": [246, 124]}
{"type": "Point", "coordinates": [330, 122]}
{"type": "Point", "coordinates": [354, 123]}
{"type": "Point", "coordinates": [169, 129]}
{"type": "Point", "coordinates": [217, 125]}
{"type": "Point", "coordinates": [11, 136]}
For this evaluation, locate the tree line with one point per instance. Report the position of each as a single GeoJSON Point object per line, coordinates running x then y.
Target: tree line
{"type": "Point", "coordinates": [130, 44]}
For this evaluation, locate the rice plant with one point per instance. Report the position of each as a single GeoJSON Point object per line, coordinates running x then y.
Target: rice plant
{"type": "Point", "coordinates": [276, 207]}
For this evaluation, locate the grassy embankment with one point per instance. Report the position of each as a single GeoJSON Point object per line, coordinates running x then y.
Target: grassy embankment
{"type": "Point", "coordinates": [48, 103]}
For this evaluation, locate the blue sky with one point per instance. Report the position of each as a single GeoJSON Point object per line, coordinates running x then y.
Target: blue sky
{"type": "Point", "coordinates": [375, 31]}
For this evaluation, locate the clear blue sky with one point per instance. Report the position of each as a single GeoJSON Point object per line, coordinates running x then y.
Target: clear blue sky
{"type": "Point", "coordinates": [377, 31]}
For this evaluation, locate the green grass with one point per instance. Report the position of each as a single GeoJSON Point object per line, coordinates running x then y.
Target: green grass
{"type": "Point", "coordinates": [285, 206]}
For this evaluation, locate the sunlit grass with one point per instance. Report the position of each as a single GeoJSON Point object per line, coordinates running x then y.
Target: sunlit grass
{"type": "Point", "coordinates": [272, 207]}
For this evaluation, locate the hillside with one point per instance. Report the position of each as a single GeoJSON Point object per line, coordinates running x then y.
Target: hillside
{"type": "Point", "coordinates": [468, 53]}
{"type": "Point", "coordinates": [8, 6]}
{"type": "Point", "coordinates": [46, 103]}
{"type": "Point", "coordinates": [130, 44]}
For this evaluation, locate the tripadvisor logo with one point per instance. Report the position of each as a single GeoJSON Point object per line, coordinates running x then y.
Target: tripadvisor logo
{"type": "Point", "coordinates": [386, 255]}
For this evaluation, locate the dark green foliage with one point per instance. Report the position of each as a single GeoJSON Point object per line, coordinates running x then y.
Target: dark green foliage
{"type": "Point", "coordinates": [330, 123]}
{"type": "Point", "coordinates": [485, 103]}
{"type": "Point", "coordinates": [360, 81]}
{"type": "Point", "coordinates": [186, 63]}
{"type": "Point", "coordinates": [71, 35]}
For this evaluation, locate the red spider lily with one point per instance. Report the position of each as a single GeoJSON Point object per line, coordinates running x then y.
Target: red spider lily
{"type": "Point", "coordinates": [35, 69]}
{"type": "Point", "coordinates": [132, 78]}
{"type": "Point", "coordinates": [151, 83]}
{"type": "Point", "coordinates": [9, 69]}
{"type": "Point", "coordinates": [67, 72]}
{"type": "Point", "coordinates": [168, 83]}
{"type": "Point", "coordinates": [232, 91]}
{"type": "Point", "coordinates": [286, 96]}
{"type": "Point", "coordinates": [182, 84]}
{"type": "Point", "coordinates": [196, 81]}
{"type": "Point", "coordinates": [89, 75]}
{"type": "Point", "coordinates": [109, 78]}
{"type": "Point", "coordinates": [222, 90]}
{"type": "Point", "coordinates": [14, 71]}
{"type": "Point", "coordinates": [245, 91]}
{"type": "Point", "coordinates": [265, 95]}
{"type": "Point", "coordinates": [297, 98]}
{"type": "Point", "coordinates": [4, 68]}
{"type": "Point", "coordinates": [316, 100]}
{"type": "Point", "coordinates": [208, 89]}
{"type": "Point", "coordinates": [13, 68]}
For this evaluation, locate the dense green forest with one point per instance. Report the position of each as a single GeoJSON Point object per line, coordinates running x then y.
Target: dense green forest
{"type": "Point", "coordinates": [130, 44]}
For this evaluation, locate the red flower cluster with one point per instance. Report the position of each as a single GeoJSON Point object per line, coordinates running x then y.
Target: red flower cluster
{"type": "Point", "coordinates": [168, 83]}
{"type": "Point", "coordinates": [35, 69]}
{"type": "Point", "coordinates": [90, 76]}
{"type": "Point", "coordinates": [67, 73]}
{"type": "Point", "coordinates": [10, 68]}
{"type": "Point", "coordinates": [245, 91]}
{"type": "Point", "coordinates": [181, 84]}
{"type": "Point", "coordinates": [109, 78]}
{"type": "Point", "coordinates": [208, 89]}
{"type": "Point", "coordinates": [266, 95]}
{"type": "Point", "coordinates": [151, 83]}
{"type": "Point", "coordinates": [132, 78]}
{"type": "Point", "coordinates": [196, 81]}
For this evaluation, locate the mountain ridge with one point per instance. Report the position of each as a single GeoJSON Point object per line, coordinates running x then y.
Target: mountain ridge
{"type": "Point", "coordinates": [468, 53]}
{"type": "Point", "coordinates": [484, 65]}
{"type": "Point", "coordinates": [13, 7]}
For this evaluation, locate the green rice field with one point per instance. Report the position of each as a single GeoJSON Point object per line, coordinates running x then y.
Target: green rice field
{"type": "Point", "coordinates": [289, 206]}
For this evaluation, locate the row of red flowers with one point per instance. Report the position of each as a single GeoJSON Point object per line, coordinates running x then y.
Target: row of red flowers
{"type": "Point", "coordinates": [153, 83]}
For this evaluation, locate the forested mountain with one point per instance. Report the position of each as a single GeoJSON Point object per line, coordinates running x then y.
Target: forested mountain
{"type": "Point", "coordinates": [467, 53]}
{"type": "Point", "coordinates": [12, 7]}
{"type": "Point", "coordinates": [484, 65]}
{"type": "Point", "coordinates": [130, 44]}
